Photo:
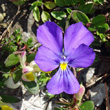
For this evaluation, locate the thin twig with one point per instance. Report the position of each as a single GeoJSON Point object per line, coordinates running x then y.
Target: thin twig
{"type": "Point", "coordinates": [107, 99]}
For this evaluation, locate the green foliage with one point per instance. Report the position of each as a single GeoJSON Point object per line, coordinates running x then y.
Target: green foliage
{"type": "Point", "coordinates": [45, 16]}
{"type": "Point", "coordinates": [36, 14]}
{"type": "Point", "coordinates": [17, 75]}
{"type": "Point", "coordinates": [99, 1]}
{"type": "Point", "coordinates": [43, 79]}
{"type": "Point", "coordinates": [29, 42]}
{"type": "Point", "coordinates": [86, 8]}
{"type": "Point", "coordinates": [59, 15]}
{"type": "Point", "coordinates": [50, 5]}
{"type": "Point", "coordinates": [31, 57]}
{"type": "Point", "coordinates": [98, 20]}
{"type": "Point", "coordinates": [19, 2]}
{"type": "Point", "coordinates": [88, 105]}
{"type": "Point", "coordinates": [11, 60]}
{"type": "Point", "coordinates": [60, 3]}
{"type": "Point", "coordinates": [9, 99]}
{"type": "Point", "coordinates": [56, 108]}
{"type": "Point", "coordinates": [31, 86]}
{"type": "Point", "coordinates": [80, 16]}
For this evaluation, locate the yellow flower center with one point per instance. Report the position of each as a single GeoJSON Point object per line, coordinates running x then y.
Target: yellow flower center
{"type": "Point", "coordinates": [30, 76]}
{"type": "Point", "coordinates": [63, 66]}
{"type": "Point", "coordinates": [5, 107]}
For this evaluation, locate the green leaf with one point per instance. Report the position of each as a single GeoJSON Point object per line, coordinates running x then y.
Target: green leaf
{"type": "Point", "coordinates": [9, 99]}
{"type": "Point", "coordinates": [98, 20]}
{"type": "Point", "coordinates": [29, 41]}
{"type": "Point", "coordinates": [59, 15]}
{"type": "Point", "coordinates": [43, 79]}
{"type": "Point", "coordinates": [35, 4]}
{"type": "Point", "coordinates": [88, 105]}
{"type": "Point", "coordinates": [86, 8]}
{"type": "Point", "coordinates": [99, 1]}
{"type": "Point", "coordinates": [31, 57]}
{"type": "Point", "coordinates": [45, 16]}
{"type": "Point", "coordinates": [17, 75]}
{"type": "Point", "coordinates": [36, 14]}
{"type": "Point", "coordinates": [31, 86]}
{"type": "Point", "coordinates": [80, 16]}
{"type": "Point", "coordinates": [69, 2]}
{"type": "Point", "coordinates": [68, 10]}
{"type": "Point", "coordinates": [102, 36]}
{"type": "Point", "coordinates": [11, 60]}
{"type": "Point", "coordinates": [92, 28]}
{"type": "Point", "coordinates": [19, 2]}
{"type": "Point", "coordinates": [50, 5]}
{"type": "Point", "coordinates": [56, 108]}
{"type": "Point", "coordinates": [17, 32]}
{"type": "Point", "coordinates": [102, 28]}
{"type": "Point", "coordinates": [60, 3]}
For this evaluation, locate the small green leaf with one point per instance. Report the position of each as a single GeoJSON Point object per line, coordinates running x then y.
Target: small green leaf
{"type": "Point", "coordinates": [92, 28]}
{"type": "Point", "coordinates": [31, 86]}
{"type": "Point", "coordinates": [29, 41]}
{"type": "Point", "coordinates": [50, 5]}
{"type": "Point", "coordinates": [80, 16]}
{"type": "Point", "coordinates": [59, 15]}
{"type": "Point", "coordinates": [9, 99]}
{"type": "Point", "coordinates": [102, 36]}
{"type": "Point", "coordinates": [19, 2]}
{"type": "Point", "coordinates": [88, 105]}
{"type": "Point", "coordinates": [31, 57]}
{"type": "Point", "coordinates": [60, 3]}
{"type": "Point", "coordinates": [45, 16]}
{"type": "Point", "coordinates": [36, 14]}
{"type": "Point", "coordinates": [56, 108]}
{"type": "Point", "coordinates": [99, 1]}
{"type": "Point", "coordinates": [43, 79]}
{"type": "Point", "coordinates": [98, 20]}
{"type": "Point", "coordinates": [86, 8]}
{"type": "Point", "coordinates": [11, 60]}
{"type": "Point", "coordinates": [35, 4]}
{"type": "Point", "coordinates": [69, 2]}
{"type": "Point", "coordinates": [102, 28]}
{"type": "Point", "coordinates": [17, 75]}
{"type": "Point", "coordinates": [68, 10]}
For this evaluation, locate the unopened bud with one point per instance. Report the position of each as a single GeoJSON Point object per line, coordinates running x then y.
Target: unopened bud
{"type": "Point", "coordinates": [81, 92]}
{"type": "Point", "coordinates": [22, 59]}
{"type": "Point", "coordinates": [27, 69]}
{"type": "Point", "coordinates": [88, 24]}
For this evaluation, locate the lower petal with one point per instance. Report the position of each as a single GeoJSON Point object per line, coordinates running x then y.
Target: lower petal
{"type": "Point", "coordinates": [71, 84]}
{"type": "Point", "coordinates": [63, 81]}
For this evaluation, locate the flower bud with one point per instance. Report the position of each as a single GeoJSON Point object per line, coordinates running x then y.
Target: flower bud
{"type": "Point", "coordinates": [81, 92]}
{"type": "Point", "coordinates": [28, 77]}
{"type": "Point", "coordinates": [27, 69]}
{"type": "Point", "coordinates": [22, 59]}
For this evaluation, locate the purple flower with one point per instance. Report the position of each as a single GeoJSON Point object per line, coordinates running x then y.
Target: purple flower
{"type": "Point", "coordinates": [52, 54]}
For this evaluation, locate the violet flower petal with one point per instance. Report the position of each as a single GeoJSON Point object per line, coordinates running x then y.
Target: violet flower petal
{"type": "Point", "coordinates": [63, 81]}
{"type": "Point", "coordinates": [50, 36]}
{"type": "Point", "coordinates": [82, 57]}
{"type": "Point", "coordinates": [46, 59]}
{"type": "Point", "coordinates": [75, 35]}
